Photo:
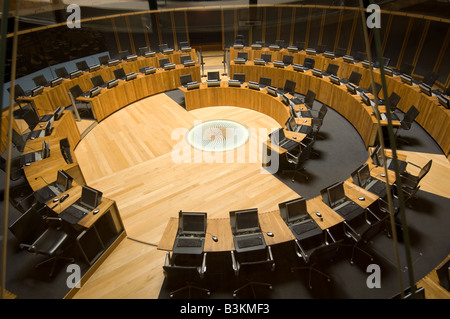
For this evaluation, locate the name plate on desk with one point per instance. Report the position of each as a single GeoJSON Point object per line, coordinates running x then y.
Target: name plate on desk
{"type": "Point", "coordinates": [274, 47]}
{"type": "Point", "coordinates": [348, 59]}
{"type": "Point", "coordinates": [56, 82]}
{"type": "Point", "coordinates": [259, 62]}
{"type": "Point", "coordinates": [75, 74]}
{"type": "Point", "coordinates": [239, 61]}
{"type": "Point", "coordinates": [256, 46]}
{"type": "Point", "coordinates": [253, 85]}
{"type": "Point", "coordinates": [95, 91]}
{"type": "Point", "coordinates": [148, 71]}
{"type": "Point", "coordinates": [366, 99]}
{"type": "Point", "coordinates": [334, 79]}
{"type": "Point", "coordinates": [444, 101]}
{"type": "Point", "coordinates": [95, 67]}
{"type": "Point", "coordinates": [188, 63]}
{"type": "Point", "coordinates": [149, 54]}
{"type": "Point", "coordinates": [37, 90]}
{"type": "Point", "coordinates": [292, 49]}
{"type": "Point", "coordinates": [113, 62]}
{"type": "Point", "coordinates": [130, 76]}
{"type": "Point", "coordinates": [298, 68]}
{"type": "Point", "coordinates": [131, 58]}
{"type": "Point", "coordinates": [213, 83]}
{"type": "Point", "coordinates": [389, 71]}
{"type": "Point", "coordinates": [317, 72]}
{"type": "Point", "coordinates": [406, 79]}
{"type": "Point", "coordinates": [169, 66]}
{"type": "Point", "coordinates": [278, 64]}
{"type": "Point", "coordinates": [192, 85]}
{"type": "Point", "coordinates": [425, 89]}
{"type": "Point", "coordinates": [112, 83]}
{"type": "Point", "coordinates": [351, 88]}
{"type": "Point", "coordinates": [234, 83]}
{"type": "Point", "coordinates": [310, 51]}
{"type": "Point", "coordinates": [328, 54]}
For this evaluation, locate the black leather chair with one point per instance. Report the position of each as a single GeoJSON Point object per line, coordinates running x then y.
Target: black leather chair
{"type": "Point", "coordinates": [406, 68]}
{"type": "Point", "coordinates": [288, 59]}
{"type": "Point", "coordinates": [243, 55]}
{"type": "Point", "coordinates": [315, 251]}
{"type": "Point", "coordinates": [332, 69]}
{"type": "Point", "coordinates": [264, 81]}
{"type": "Point", "coordinates": [354, 78]}
{"type": "Point", "coordinates": [410, 181]}
{"type": "Point", "coordinates": [38, 235]}
{"type": "Point", "coordinates": [289, 87]}
{"type": "Point", "coordinates": [249, 265]}
{"type": "Point", "coordinates": [394, 99]}
{"type": "Point", "coordinates": [31, 118]}
{"type": "Point", "coordinates": [309, 63]}
{"type": "Point", "coordinates": [309, 99]}
{"type": "Point", "coordinates": [406, 123]}
{"type": "Point", "coordinates": [40, 80]}
{"type": "Point", "coordinates": [123, 54]}
{"type": "Point", "coordinates": [297, 157]}
{"type": "Point", "coordinates": [186, 268]}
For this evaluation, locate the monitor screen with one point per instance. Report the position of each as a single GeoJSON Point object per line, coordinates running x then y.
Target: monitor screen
{"type": "Point", "coordinates": [285, 99]}
{"type": "Point", "coordinates": [119, 73]}
{"type": "Point", "coordinates": [292, 123]}
{"type": "Point", "coordinates": [296, 209]}
{"type": "Point", "coordinates": [64, 180]}
{"type": "Point", "coordinates": [379, 156]}
{"type": "Point", "coordinates": [247, 220]}
{"type": "Point", "coordinates": [46, 149]}
{"type": "Point", "coordinates": [193, 222]}
{"type": "Point", "coordinates": [90, 197]}
{"type": "Point", "coordinates": [278, 135]}
{"type": "Point", "coordinates": [57, 113]}
{"type": "Point", "coordinates": [272, 91]}
{"type": "Point", "coordinates": [163, 61]}
{"type": "Point", "coordinates": [240, 77]}
{"type": "Point", "coordinates": [363, 175]}
{"type": "Point", "coordinates": [49, 127]}
{"type": "Point", "coordinates": [336, 193]}
{"type": "Point", "coordinates": [213, 76]}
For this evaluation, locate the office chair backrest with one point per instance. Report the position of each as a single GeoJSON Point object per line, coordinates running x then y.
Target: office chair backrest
{"type": "Point", "coordinates": [340, 52]}
{"type": "Point", "coordinates": [97, 80]}
{"type": "Point", "coordinates": [267, 57]}
{"type": "Point", "coordinates": [76, 91]}
{"type": "Point", "coordinates": [394, 98]}
{"type": "Point", "coordinates": [213, 75]}
{"type": "Point", "coordinates": [40, 80]}
{"type": "Point", "coordinates": [103, 59]}
{"type": "Point", "coordinates": [309, 63]}
{"type": "Point", "coordinates": [424, 170]}
{"type": "Point", "coordinates": [119, 73]}
{"type": "Point", "coordinates": [61, 72]}
{"type": "Point", "coordinates": [123, 54]}
{"type": "Point", "coordinates": [289, 86]}
{"type": "Point", "coordinates": [265, 81]}
{"type": "Point", "coordinates": [288, 59]}
{"type": "Point", "coordinates": [31, 118]}
{"type": "Point", "coordinates": [185, 79]}
{"type": "Point", "coordinates": [300, 45]}
{"type": "Point", "coordinates": [309, 98]}
{"type": "Point", "coordinates": [430, 78]}
{"type": "Point", "coordinates": [323, 111]}
{"type": "Point", "coordinates": [18, 141]}
{"type": "Point", "coordinates": [378, 87]}
{"type": "Point", "coordinates": [243, 55]}
{"type": "Point", "coordinates": [321, 48]}
{"type": "Point", "coordinates": [240, 77]}
{"type": "Point", "coordinates": [82, 65]}
{"type": "Point", "coordinates": [361, 56]}
{"type": "Point", "coordinates": [406, 68]}
{"type": "Point", "coordinates": [409, 117]}
{"type": "Point", "coordinates": [355, 78]}
{"type": "Point", "coordinates": [332, 69]}
{"type": "Point", "coordinates": [28, 226]}
{"type": "Point", "coordinates": [143, 50]}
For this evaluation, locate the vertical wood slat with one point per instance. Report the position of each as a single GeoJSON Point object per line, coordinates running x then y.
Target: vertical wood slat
{"type": "Point", "coordinates": [291, 37]}
{"type": "Point", "coordinates": [174, 31]}
{"type": "Point", "coordinates": [308, 28]}
{"type": "Point", "coordinates": [223, 29]}
{"type": "Point", "coordinates": [437, 65]}
{"type": "Point", "coordinates": [116, 36]}
{"type": "Point", "coordinates": [130, 35]}
{"type": "Point", "coordinates": [386, 34]}
{"type": "Point", "coordinates": [352, 32]}
{"type": "Point", "coordinates": [144, 27]}
{"type": "Point", "coordinates": [405, 42]}
{"type": "Point", "coordinates": [279, 23]}
{"type": "Point", "coordinates": [158, 28]}
{"type": "Point", "coordinates": [338, 32]}
{"type": "Point", "coordinates": [186, 25]}
{"type": "Point", "coordinates": [263, 31]}
{"type": "Point", "coordinates": [322, 26]}
{"type": "Point", "coordinates": [420, 46]}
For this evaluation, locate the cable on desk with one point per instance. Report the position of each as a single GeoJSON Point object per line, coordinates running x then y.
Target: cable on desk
{"type": "Point", "coordinates": [142, 242]}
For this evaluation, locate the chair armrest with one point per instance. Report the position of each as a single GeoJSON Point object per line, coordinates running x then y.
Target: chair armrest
{"type": "Point", "coordinates": [352, 233]}
{"type": "Point", "coordinates": [203, 269]}
{"type": "Point", "coordinates": [413, 164]}
{"type": "Point", "coordinates": [270, 257]}
{"type": "Point", "coordinates": [301, 252]}
{"type": "Point", "coordinates": [234, 264]}
{"type": "Point", "coordinates": [30, 248]}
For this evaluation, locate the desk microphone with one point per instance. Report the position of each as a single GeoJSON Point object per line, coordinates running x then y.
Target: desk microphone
{"type": "Point", "coordinates": [42, 179]}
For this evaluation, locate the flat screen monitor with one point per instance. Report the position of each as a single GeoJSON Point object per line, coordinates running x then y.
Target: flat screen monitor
{"type": "Point", "coordinates": [49, 127]}
{"type": "Point", "coordinates": [247, 220]}
{"type": "Point", "coordinates": [63, 180]}
{"type": "Point", "coordinates": [263, 81]}
{"type": "Point", "coordinates": [336, 194]}
{"type": "Point", "coordinates": [185, 79]}
{"type": "Point", "coordinates": [240, 77]}
{"type": "Point", "coordinates": [193, 223]}
{"type": "Point", "coordinates": [46, 149]}
{"type": "Point", "coordinates": [163, 61]}
{"type": "Point", "coordinates": [363, 175]}
{"type": "Point", "coordinates": [292, 123]}
{"type": "Point", "coordinates": [58, 113]}
{"type": "Point", "coordinates": [444, 101]}
{"type": "Point", "coordinates": [119, 73]}
{"type": "Point", "coordinates": [296, 209]}
{"type": "Point", "coordinates": [90, 197]}
{"type": "Point", "coordinates": [277, 135]}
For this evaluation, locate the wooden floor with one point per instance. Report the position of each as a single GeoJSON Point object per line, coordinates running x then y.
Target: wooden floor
{"type": "Point", "coordinates": [129, 157]}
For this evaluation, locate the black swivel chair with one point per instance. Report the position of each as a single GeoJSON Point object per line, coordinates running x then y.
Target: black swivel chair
{"type": "Point", "coordinates": [354, 78]}
{"type": "Point", "coordinates": [82, 65]}
{"type": "Point", "coordinates": [250, 265]}
{"type": "Point", "coordinates": [297, 157]}
{"type": "Point", "coordinates": [409, 181]}
{"type": "Point", "coordinates": [340, 52]}
{"type": "Point", "coordinates": [186, 268]}
{"type": "Point", "coordinates": [360, 56]}
{"type": "Point", "coordinates": [332, 69]}
{"type": "Point", "coordinates": [240, 77]}
{"type": "Point", "coordinates": [430, 78]}
{"type": "Point", "coordinates": [310, 97]}
{"type": "Point", "coordinates": [314, 251]}
{"type": "Point", "coordinates": [119, 74]}
{"type": "Point", "coordinates": [394, 99]}
{"type": "Point", "coordinates": [81, 107]}
{"type": "Point", "coordinates": [406, 123]}
{"type": "Point", "coordinates": [185, 79]}
{"type": "Point", "coordinates": [61, 72]}
{"type": "Point", "coordinates": [289, 87]}
{"type": "Point", "coordinates": [40, 80]}
{"type": "Point", "coordinates": [264, 81]}
{"type": "Point", "coordinates": [288, 59]}
{"type": "Point", "coordinates": [31, 118]}
{"type": "Point", "coordinates": [123, 54]}
{"type": "Point", "coordinates": [98, 81]}
{"type": "Point", "coordinates": [38, 235]}
{"type": "Point", "coordinates": [103, 60]}
{"type": "Point", "coordinates": [309, 63]}
{"type": "Point", "coordinates": [267, 57]}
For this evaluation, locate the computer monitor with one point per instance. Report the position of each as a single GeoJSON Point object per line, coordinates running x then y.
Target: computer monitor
{"type": "Point", "coordinates": [103, 59]}
{"type": "Point", "coordinates": [335, 194]}
{"type": "Point", "coordinates": [82, 65]}
{"type": "Point", "coordinates": [58, 113]}
{"type": "Point", "coordinates": [97, 81]}
{"type": "Point", "coordinates": [288, 59]}
{"type": "Point", "coordinates": [90, 197]}
{"type": "Point", "coordinates": [184, 58]}
{"type": "Point", "coordinates": [263, 81]}
{"type": "Point", "coordinates": [243, 55]}
{"type": "Point", "coordinates": [363, 174]}
{"type": "Point", "coordinates": [192, 223]}
{"type": "Point", "coordinates": [278, 135]}
{"type": "Point", "coordinates": [45, 149]}
{"type": "Point", "coordinates": [163, 61]}
{"type": "Point", "coordinates": [291, 124]}
{"type": "Point", "coordinates": [296, 209]}
{"type": "Point", "coordinates": [214, 75]}
{"type": "Point", "coordinates": [61, 72]}
{"type": "Point", "coordinates": [374, 156]}
{"type": "Point", "coordinates": [247, 220]}
{"type": "Point", "coordinates": [64, 180]}
{"type": "Point", "coordinates": [119, 73]}
{"type": "Point", "coordinates": [240, 77]}
{"type": "Point", "coordinates": [49, 127]}
{"type": "Point", "coordinates": [267, 57]}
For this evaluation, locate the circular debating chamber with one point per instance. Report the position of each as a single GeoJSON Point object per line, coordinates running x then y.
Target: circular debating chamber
{"type": "Point", "coordinates": [225, 150]}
